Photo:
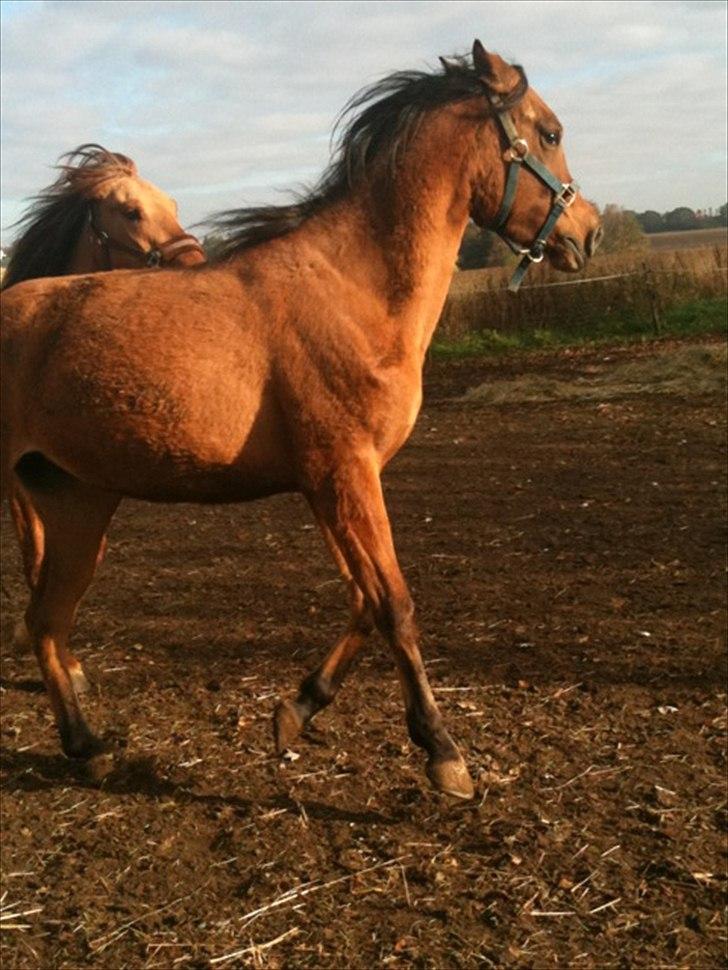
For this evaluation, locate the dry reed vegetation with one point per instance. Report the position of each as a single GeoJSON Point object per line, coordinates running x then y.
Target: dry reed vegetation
{"type": "Point", "coordinates": [641, 285]}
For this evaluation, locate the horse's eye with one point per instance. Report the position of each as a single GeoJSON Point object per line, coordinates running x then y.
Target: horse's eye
{"type": "Point", "coordinates": [552, 138]}
{"type": "Point", "coordinates": [133, 215]}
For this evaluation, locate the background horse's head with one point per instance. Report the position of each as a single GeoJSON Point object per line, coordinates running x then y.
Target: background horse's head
{"type": "Point", "coordinates": [99, 214]}
{"type": "Point", "coordinates": [531, 176]}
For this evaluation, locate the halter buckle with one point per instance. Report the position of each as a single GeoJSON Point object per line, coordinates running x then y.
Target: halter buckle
{"type": "Point", "coordinates": [154, 258]}
{"type": "Point", "coordinates": [567, 195]}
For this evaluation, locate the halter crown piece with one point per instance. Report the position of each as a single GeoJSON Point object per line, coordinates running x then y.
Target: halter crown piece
{"type": "Point", "coordinates": [564, 194]}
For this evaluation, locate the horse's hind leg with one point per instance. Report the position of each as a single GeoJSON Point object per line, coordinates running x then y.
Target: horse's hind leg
{"type": "Point", "coordinates": [75, 519]}
{"type": "Point", "coordinates": [31, 539]}
{"type": "Point", "coordinates": [320, 687]}
{"type": "Point", "coordinates": [352, 506]}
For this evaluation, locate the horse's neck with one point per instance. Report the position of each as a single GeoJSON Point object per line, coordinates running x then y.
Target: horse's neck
{"type": "Point", "coordinates": [84, 257]}
{"type": "Point", "coordinates": [407, 233]}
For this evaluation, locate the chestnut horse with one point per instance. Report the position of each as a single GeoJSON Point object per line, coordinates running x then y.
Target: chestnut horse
{"type": "Point", "coordinates": [292, 364]}
{"type": "Point", "coordinates": [97, 215]}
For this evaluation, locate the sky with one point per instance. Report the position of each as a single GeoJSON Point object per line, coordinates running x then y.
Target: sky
{"type": "Point", "coordinates": [226, 104]}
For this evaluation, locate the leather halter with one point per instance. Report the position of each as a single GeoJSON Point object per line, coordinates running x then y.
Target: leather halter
{"type": "Point", "coordinates": [564, 194]}
{"type": "Point", "coordinates": [164, 254]}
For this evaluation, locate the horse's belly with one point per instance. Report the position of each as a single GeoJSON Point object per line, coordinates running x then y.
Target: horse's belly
{"type": "Point", "coordinates": [168, 442]}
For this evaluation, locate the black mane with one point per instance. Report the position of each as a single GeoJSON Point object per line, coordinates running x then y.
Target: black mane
{"type": "Point", "coordinates": [391, 110]}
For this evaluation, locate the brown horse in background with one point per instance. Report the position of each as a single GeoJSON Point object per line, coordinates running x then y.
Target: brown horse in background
{"type": "Point", "coordinates": [97, 215]}
{"type": "Point", "coordinates": [294, 364]}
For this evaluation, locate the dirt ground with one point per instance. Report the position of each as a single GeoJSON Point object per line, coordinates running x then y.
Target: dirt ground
{"type": "Point", "coordinates": [567, 560]}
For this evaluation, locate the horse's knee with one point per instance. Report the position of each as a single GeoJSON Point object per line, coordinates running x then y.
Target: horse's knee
{"type": "Point", "coordinates": [395, 616]}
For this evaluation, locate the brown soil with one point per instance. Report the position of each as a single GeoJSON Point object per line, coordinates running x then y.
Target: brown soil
{"type": "Point", "coordinates": [567, 562]}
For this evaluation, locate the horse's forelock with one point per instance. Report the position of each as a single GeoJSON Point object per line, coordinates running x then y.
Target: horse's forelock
{"type": "Point", "coordinates": [86, 167]}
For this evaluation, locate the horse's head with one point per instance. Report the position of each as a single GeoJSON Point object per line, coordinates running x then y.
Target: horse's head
{"type": "Point", "coordinates": [532, 201]}
{"type": "Point", "coordinates": [134, 222]}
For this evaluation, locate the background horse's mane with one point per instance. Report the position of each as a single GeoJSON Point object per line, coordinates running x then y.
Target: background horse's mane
{"type": "Point", "coordinates": [53, 223]}
{"type": "Point", "coordinates": [391, 110]}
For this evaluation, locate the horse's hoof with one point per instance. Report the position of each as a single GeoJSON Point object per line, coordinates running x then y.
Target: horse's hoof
{"type": "Point", "coordinates": [99, 767]}
{"type": "Point", "coordinates": [451, 777]}
{"type": "Point", "coordinates": [21, 636]}
{"type": "Point", "coordinates": [287, 725]}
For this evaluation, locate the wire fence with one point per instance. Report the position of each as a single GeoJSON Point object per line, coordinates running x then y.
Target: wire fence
{"type": "Point", "coordinates": [637, 285]}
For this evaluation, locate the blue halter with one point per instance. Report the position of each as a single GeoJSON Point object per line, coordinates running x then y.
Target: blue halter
{"type": "Point", "coordinates": [564, 195]}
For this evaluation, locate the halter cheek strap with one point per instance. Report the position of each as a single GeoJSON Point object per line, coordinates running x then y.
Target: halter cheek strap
{"type": "Point", "coordinates": [166, 253]}
{"type": "Point", "coordinates": [564, 195]}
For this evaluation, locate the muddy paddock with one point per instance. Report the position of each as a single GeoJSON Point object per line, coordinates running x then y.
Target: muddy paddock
{"type": "Point", "coordinates": [567, 561]}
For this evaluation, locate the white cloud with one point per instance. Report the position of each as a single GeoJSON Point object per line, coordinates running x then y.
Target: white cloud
{"type": "Point", "coordinates": [224, 103]}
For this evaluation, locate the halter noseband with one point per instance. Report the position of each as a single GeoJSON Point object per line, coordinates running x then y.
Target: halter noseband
{"type": "Point", "coordinates": [160, 255]}
{"type": "Point", "coordinates": [564, 194]}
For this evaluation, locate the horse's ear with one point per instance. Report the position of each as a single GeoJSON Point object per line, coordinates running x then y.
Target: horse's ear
{"type": "Point", "coordinates": [447, 66]}
{"type": "Point", "coordinates": [495, 74]}
{"type": "Point", "coordinates": [483, 62]}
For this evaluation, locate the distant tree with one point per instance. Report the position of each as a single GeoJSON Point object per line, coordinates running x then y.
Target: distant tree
{"type": "Point", "coordinates": [723, 214]}
{"type": "Point", "coordinates": [481, 248]}
{"type": "Point", "coordinates": [622, 231]}
{"type": "Point", "coordinates": [681, 218]}
{"type": "Point", "coordinates": [651, 221]}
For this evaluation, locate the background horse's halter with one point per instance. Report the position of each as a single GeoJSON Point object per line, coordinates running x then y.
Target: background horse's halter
{"type": "Point", "coordinates": [564, 194]}
{"type": "Point", "coordinates": [166, 253]}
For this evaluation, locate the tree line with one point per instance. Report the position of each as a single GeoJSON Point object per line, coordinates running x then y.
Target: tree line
{"type": "Point", "coordinates": [624, 231]}
{"type": "Point", "coordinates": [682, 218]}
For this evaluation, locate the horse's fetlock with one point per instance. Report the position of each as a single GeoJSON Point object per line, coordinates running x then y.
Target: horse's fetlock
{"type": "Point", "coordinates": [317, 690]}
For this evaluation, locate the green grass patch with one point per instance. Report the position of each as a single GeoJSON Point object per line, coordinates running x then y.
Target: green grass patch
{"type": "Point", "coordinates": [696, 318]}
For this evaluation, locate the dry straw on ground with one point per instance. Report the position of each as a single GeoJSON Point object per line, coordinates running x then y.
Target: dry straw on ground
{"type": "Point", "coordinates": [688, 370]}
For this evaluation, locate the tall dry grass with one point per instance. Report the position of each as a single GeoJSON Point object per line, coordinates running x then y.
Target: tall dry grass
{"type": "Point", "coordinates": [638, 285]}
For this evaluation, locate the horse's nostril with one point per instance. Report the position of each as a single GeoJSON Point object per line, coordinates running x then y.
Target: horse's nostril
{"type": "Point", "coordinates": [576, 250]}
{"type": "Point", "coordinates": [593, 240]}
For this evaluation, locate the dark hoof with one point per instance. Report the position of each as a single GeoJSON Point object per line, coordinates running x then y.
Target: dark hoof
{"type": "Point", "coordinates": [451, 777]}
{"type": "Point", "coordinates": [83, 747]}
{"type": "Point", "coordinates": [97, 768]}
{"type": "Point", "coordinates": [287, 725]}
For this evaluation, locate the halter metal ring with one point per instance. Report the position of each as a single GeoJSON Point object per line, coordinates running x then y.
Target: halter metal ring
{"type": "Point", "coordinates": [519, 148]}
{"type": "Point", "coordinates": [154, 258]}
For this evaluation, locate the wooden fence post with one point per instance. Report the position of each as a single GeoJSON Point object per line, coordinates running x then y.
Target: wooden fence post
{"type": "Point", "coordinates": [653, 297]}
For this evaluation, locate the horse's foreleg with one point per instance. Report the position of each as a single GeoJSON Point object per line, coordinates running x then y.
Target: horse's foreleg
{"type": "Point", "coordinates": [321, 686]}
{"type": "Point", "coordinates": [352, 506]}
{"type": "Point", "coordinates": [75, 519]}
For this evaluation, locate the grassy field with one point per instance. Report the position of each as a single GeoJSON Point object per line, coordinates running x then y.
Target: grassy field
{"type": "Point", "coordinates": [694, 318]}
{"type": "Point", "coordinates": [689, 239]}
